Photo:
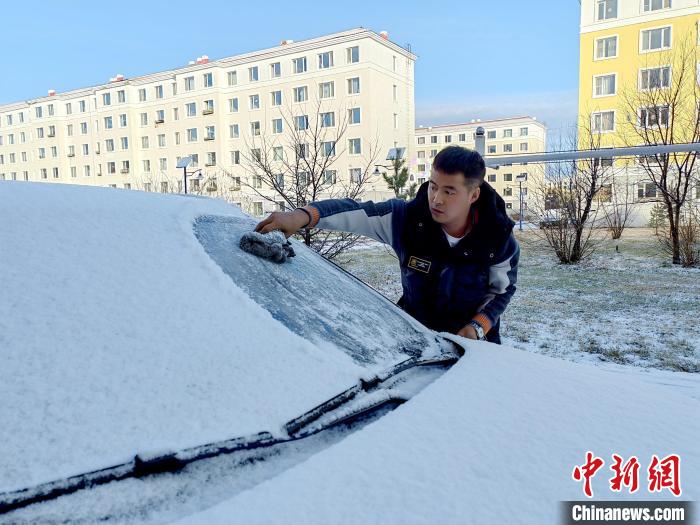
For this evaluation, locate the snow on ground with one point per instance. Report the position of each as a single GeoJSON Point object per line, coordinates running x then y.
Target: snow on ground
{"type": "Point", "coordinates": [494, 440]}
{"type": "Point", "coordinates": [120, 335]}
{"type": "Point", "coordinates": [626, 307]}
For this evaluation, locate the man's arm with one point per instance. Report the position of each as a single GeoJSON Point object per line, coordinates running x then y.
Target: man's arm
{"type": "Point", "coordinates": [502, 278]}
{"type": "Point", "coordinates": [380, 221]}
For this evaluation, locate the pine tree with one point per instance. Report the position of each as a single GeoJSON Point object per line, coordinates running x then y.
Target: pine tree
{"type": "Point", "coordinates": [657, 217]}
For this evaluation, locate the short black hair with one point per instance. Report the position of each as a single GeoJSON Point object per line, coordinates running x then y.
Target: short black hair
{"type": "Point", "coordinates": [456, 159]}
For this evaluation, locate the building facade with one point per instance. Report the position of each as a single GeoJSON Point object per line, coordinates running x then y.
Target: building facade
{"type": "Point", "coordinates": [131, 132]}
{"type": "Point", "coordinates": [629, 50]}
{"type": "Point", "coordinates": [508, 136]}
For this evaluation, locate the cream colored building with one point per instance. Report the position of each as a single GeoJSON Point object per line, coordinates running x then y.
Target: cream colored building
{"type": "Point", "coordinates": [131, 132]}
{"type": "Point", "coordinates": [508, 136]}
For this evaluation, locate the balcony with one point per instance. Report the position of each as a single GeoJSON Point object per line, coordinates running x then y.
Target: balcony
{"type": "Point", "coordinates": [207, 112]}
{"type": "Point", "coordinates": [51, 135]}
{"type": "Point", "coordinates": [209, 138]}
{"type": "Point", "coordinates": [209, 164]}
{"type": "Point", "coordinates": [160, 121]}
{"type": "Point", "coordinates": [125, 170]}
{"type": "Point", "coordinates": [71, 154]}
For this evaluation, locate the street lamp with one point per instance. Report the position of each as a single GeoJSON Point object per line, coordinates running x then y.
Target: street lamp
{"type": "Point", "coordinates": [183, 163]}
{"type": "Point", "coordinates": [521, 178]}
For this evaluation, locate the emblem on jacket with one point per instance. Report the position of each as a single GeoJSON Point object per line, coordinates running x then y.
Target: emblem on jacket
{"type": "Point", "coordinates": [419, 264]}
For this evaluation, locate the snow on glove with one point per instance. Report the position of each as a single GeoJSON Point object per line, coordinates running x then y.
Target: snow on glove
{"type": "Point", "coordinates": [273, 245]}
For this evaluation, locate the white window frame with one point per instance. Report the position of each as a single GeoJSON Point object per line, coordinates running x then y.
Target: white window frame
{"type": "Point", "coordinates": [595, 11]}
{"type": "Point", "coordinates": [595, 77]}
{"type": "Point", "coordinates": [606, 37]}
{"type": "Point", "coordinates": [614, 112]}
{"type": "Point", "coordinates": [650, 10]}
{"type": "Point", "coordinates": [641, 70]}
{"type": "Point", "coordinates": [653, 126]}
{"type": "Point", "coordinates": [646, 30]}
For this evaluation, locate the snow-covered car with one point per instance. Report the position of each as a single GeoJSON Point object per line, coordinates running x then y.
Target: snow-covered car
{"type": "Point", "coordinates": [152, 372]}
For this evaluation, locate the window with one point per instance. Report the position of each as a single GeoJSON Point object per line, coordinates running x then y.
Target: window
{"type": "Point", "coordinates": [646, 190]}
{"type": "Point", "coordinates": [211, 158]}
{"type": "Point", "coordinates": [86, 149]}
{"type": "Point", "coordinates": [491, 134]}
{"type": "Point", "coordinates": [523, 146]}
{"type": "Point", "coordinates": [330, 176]}
{"type": "Point", "coordinates": [326, 89]}
{"type": "Point", "coordinates": [108, 123]}
{"type": "Point", "coordinates": [448, 139]}
{"type": "Point", "coordinates": [232, 77]}
{"type": "Point", "coordinates": [144, 142]}
{"type": "Point", "coordinates": [278, 153]}
{"type": "Point", "coordinates": [192, 135]}
{"type": "Point", "coordinates": [301, 122]}
{"type": "Point", "coordinates": [254, 101]}
{"type": "Point", "coordinates": [189, 83]}
{"type": "Point", "coordinates": [395, 92]}
{"type": "Point", "coordinates": [160, 116]}
{"type": "Point", "coordinates": [603, 121]}
{"type": "Point", "coordinates": [43, 173]}
{"type": "Point", "coordinates": [161, 140]}
{"type": "Point", "coordinates": [421, 154]}
{"type": "Point", "coordinates": [299, 65]}
{"type": "Point", "coordinates": [507, 192]}
{"type": "Point", "coordinates": [208, 107]}
{"type": "Point", "coordinates": [257, 208]}
{"type": "Point", "coordinates": [605, 162]}
{"type": "Point", "coordinates": [353, 86]}
{"type": "Point", "coordinates": [121, 97]}
{"type": "Point", "coordinates": [159, 91]}
{"type": "Point", "coordinates": [604, 85]}
{"type": "Point", "coordinates": [353, 55]}
{"type": "Point", "coordinates": [655, 5]}
{"type": "Point", "coordinates": [393, 63]}
{"type": "Point", "coordinates": [69, 108]}
{"type": "Point", "coordinates": [208, 79]}
{"type": "Point", "coordinates": [276, 97]}
{"type": "Point", "coordinates": [523, 132]}
{"type": "Point", "coordinates": [421, 168]}
{"type": "Point", "coordinates": [111, 167]}
{"type": "Point", "coordinates": [255, 128]}
{"type": "Point", "coordinates": [655, 39]}
{"type": "Point", "coordinates": [125, 166]}
{"type": "Point", "coordinates": [606, 47]}
{"type": "Point", "coordinates": [257, 183]}
{"type": "Point", "coordinates": [507, 148]}
{"type": "Point", "coordinates": [606, 9]}
{"type": "Point", "coordinates": [81, 106]}
{"type": "Point", "coordinates": [507, 133]}
{"type": "Point", "coordinates": [253, 74]}
{"type": "Point", "coordinates": [655, 78]}
{"type": "Point", "coordinates": [177, 138]}
{"type": "Point", "coordinates": [492, 177]}
{"type": "Point", "coordinates": [354, 117]}
{"type": "Point", "coordinates": [300, 94]}
{"type": "Point", "coordinates": [355, 146]}
{"type": "Point", "coordinates": [421, 140]}
{"type": "Point", "coordinates": [653, 116]}
{"type": "Point", "coordinates": [235, 157]}
{"type": "Point", "coordinates": [325, 60]}
{"type": "Point", "coordinates": [83, 128]}
{"type": "Point", "coordinates": [275, 70]}
{"type": "Point", "coordinates": [106, 99]}
{"type": "Point", "coordinates": [434, 139]}
{"type": "Point", "coordinates": [109, 144]}
{"type": "Point", "coordinates": [86, 170]}
{"type": "Point", "coordinates": [277, 125]}
{"type": "Point", "coordinates": [236, 181]}
{"type": "Point", "coordinates": [233, 105]}
{"type": "Point", "coordinates": [234, 132]}
{"type": "Point", "coordinates": [50, 109]}
{"type": "Point", "coordinates": [328, 148]}
{"type": "Point", "coordinates": [356, 175]}
{"type": "Point", "coordinates": [462, 137]}
{"type": "Point", "coordinates": [191, 109]}
{"type": "Point", "coordinates": [164, 187]}
{"type": "Point", "coordinates": [122, 120]}
{"type": "Point", "coordinates": [328, 119]}
{"type": "Point", "coordinates": [163, 164]}
{"type": "Point", "coordinates": [195, 160]}
{"type": "Point", "coordinates": [144, 119]}
{"type": "Point", "coordinates": [125, 143]}
{"type": "Point", "coordinates": [142, 95]}
{"type": "Point", "coordinates": [55, 172]}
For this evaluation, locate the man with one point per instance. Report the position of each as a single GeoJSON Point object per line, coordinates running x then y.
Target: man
{"type": "Point", "coordinates": [454, 241]}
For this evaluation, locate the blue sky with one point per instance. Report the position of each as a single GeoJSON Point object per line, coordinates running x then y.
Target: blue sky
{"type": "Point", "coordinates": [477, 59]}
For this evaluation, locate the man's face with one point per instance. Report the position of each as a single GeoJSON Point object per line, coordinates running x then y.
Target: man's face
{"type": "Point", "coordinates": [450, 197]}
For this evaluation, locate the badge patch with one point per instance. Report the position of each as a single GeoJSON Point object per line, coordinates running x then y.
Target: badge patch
{"type": "Point", "coordinates": [419, 264]}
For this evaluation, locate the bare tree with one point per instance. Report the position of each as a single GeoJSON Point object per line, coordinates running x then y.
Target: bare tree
{"type": "Point", "coordinates": [663, 109]}
{"type": "Point", "coordinates": [688, 238]}
{"type": "Point", "coordinates": [617, 202]}
{"type": "Point", "coordinates": [565, 199]}
{"type": "Point", "coordinates": [295, 164]}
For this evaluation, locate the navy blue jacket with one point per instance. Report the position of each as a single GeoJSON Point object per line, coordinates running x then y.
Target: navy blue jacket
{"type": "Point", "coordinates": [443, 287]}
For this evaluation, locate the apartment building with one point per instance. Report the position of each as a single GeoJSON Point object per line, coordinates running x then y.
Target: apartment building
{"type": "Point", "coordinates": [629, 47]}
{"type": "Point", "coordinates": [131, 132]}
{"type": "Point", "coordinates": [508, 136]}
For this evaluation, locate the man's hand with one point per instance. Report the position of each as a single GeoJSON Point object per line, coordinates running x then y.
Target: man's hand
{"type": "Point", "coordinates": [288, 222]}
{"type": "Point", "coordinates": [469, 332]}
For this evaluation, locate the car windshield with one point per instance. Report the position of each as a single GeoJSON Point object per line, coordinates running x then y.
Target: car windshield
{"type": "Point", "coordinates": [313, 298]}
